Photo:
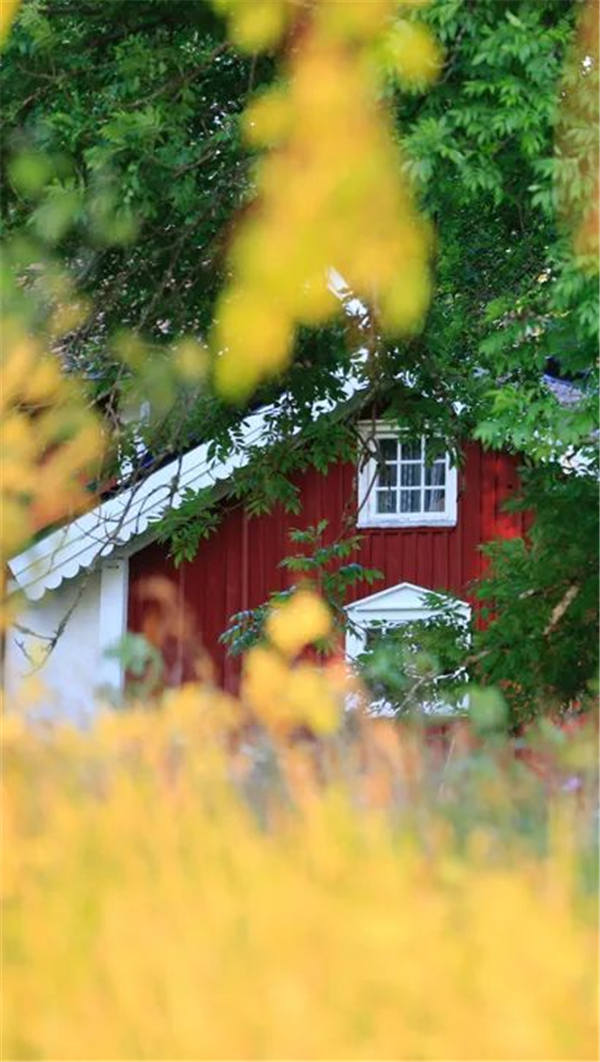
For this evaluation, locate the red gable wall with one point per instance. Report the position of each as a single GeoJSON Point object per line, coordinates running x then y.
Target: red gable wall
{"type": "Point", "coordinates": [182, 609]}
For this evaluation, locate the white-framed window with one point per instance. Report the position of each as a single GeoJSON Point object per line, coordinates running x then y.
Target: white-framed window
{"type": "Point", "coordinates": [391, 608]}
{"type": "Point", "coordinates": [405, 482]}
{"type": "Point", "coordinates": [403, 603]}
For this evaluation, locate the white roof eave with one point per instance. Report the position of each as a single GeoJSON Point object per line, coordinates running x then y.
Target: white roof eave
{"type": "Point", "coordinates": [115, 523]}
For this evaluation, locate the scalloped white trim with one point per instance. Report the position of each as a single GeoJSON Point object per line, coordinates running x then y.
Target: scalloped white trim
{"type": "Point", "coordinates": [116, 522]}
{"type": "Point", "coordinates": [120, 520]}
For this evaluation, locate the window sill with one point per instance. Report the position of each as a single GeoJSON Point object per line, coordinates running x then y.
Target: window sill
{"type": "Point", "coordinates": [367, 522]}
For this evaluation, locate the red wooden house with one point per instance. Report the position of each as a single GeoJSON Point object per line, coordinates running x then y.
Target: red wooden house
{"type": "Point", "coordinates": [422, 521]}
{"type": "Point", "coordinates": [238, 567]}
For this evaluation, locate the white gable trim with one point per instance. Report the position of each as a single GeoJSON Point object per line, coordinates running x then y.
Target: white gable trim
{"type": "Point", "coordinates": [114, 523]}
{"type": "Point", "coordinates": [119, 521]}
{"type": "Point", "coordinates": [399, 604]}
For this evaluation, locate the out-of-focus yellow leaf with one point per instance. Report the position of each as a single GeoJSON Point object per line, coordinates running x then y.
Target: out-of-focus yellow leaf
{"type": "Point", "coordinates": [578, 140]}
{"type": "Point", "coordinates": [50, 441]}
{"type": "Point", "coordinates": [411, 54]}
{"type": "Point", "coordinates": [298, 622]}
{"type": "Point", "coordinates": [8, 10]}
{"type": "Point", "coordinates": [331, 190]}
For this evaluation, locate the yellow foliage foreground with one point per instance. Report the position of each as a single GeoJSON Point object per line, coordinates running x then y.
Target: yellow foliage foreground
{"type": "Point", "coordinates": [330, 188]}
{"type": "Point", "coordinates": [172, 894]}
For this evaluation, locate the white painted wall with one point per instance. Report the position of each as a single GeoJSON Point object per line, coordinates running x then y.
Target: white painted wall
{"type": "Point", "coordinates": [67, 684]}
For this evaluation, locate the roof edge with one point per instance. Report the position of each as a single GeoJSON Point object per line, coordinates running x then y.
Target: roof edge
{"type": "Point", "coordinates": [125, 517]}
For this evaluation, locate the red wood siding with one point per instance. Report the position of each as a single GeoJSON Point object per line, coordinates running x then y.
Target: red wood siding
{"type": "Point", "coordinates": [237, 567]}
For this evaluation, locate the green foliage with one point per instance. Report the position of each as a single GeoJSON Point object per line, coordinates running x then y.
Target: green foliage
{"type": "Point", "coordinates": [488, 712]}
{"type": "Point", "coordinates": [144, 100]}
{"type": "Point", "coordinates": [523, 418]}
{"type": "Point", "coordinates": [134, 141]}
{"type": "Point", "coordinates": [481, 145]}
{"type": "Point", "coordinates": [315, 567]}
{"type": "Point", "coordinates": [539, 599]}
{"type": "Point", "coordinates": [184, 528]}
{"type": "Point", "coordinates": [324, 566]}
{"type": "Point", "coordinates": [142, 662]}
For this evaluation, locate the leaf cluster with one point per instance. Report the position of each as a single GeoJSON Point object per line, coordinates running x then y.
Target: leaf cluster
{"type": "Point", "coordinates": [539, 599]}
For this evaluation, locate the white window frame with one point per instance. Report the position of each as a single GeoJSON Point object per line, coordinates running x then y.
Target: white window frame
{"type": "Point", "coordinates": [403, 603]}
{"type": "Point", "coordinates": [367, 492]}
{"type": "Point", "coordinates": [400, 604]}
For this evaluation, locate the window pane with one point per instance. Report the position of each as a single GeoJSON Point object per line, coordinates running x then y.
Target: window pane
{"type": "Point", "coordinates": [410, 475]}
{"type": "Point", "coordinates": [386, 501]}
{"type": "Point", "coordinates": [410, 501]}
{"type": "Point", "coordinates": [388, 449]}
{"type": "Point", "coordinates": [411, 450]}
{"type": "Point", "coordinates": [435, 501]}
{"type": "Point", "coordinates": [435, 475]}
{"type": "Point", "coordinates": [374, 635]}
{"type": "Point", "coordinates": [388, 476]}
